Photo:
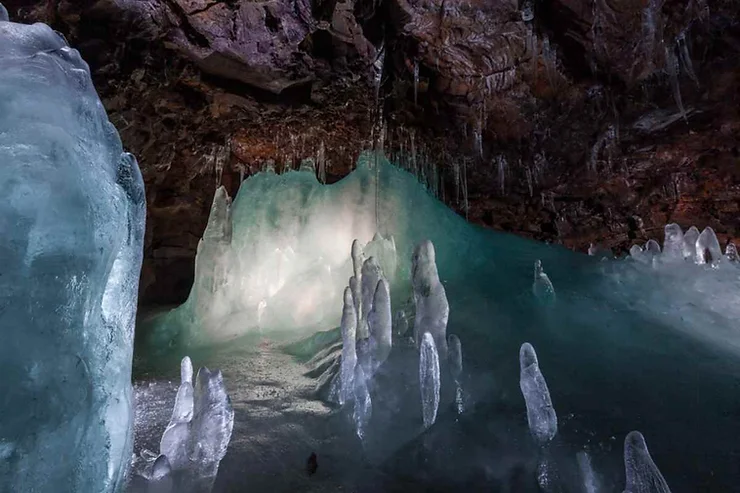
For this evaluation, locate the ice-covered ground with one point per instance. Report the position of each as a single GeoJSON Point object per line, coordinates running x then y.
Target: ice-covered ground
{"type": "Point", "coordinates": [646, 343]}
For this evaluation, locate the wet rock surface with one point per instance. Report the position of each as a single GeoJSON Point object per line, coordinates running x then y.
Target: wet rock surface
{"type": "Point", "coordinates": [572, 121]}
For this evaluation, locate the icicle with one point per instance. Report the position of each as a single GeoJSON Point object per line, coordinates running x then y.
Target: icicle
{"type": "Point", "coordinates": [378, 66]}
{"type": "Point", "coordinates": [465, 188]}
{"type": "Point", "coordinates": [683, 51]}
{"type": "Point", "coordinates": [416, 81]}
{"type": "Point", "coordinates": [502, 165]}
{"type": "Point", "coordinates": [672, 67]}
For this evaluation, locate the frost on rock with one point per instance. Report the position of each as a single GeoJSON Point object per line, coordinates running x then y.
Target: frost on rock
{"type": "Point", "coordinates": [349, 352]}
{"type": "Point", "coordinates": [380, 324]}
{"type": "Point", "coordinates": [542, 286]}
{"type": "Point", "coordinates": [72, 215]}
{"type": "Point", "coordinates": [642, 474]}
{"type": "Point", "coordinates": [708, 250]}
{"type": "Point", "coordinates": [432, 308]}
{"type": "Point", "coordinates": [543, 423]}
{"type": "Point", "coordinates": [429, 379]}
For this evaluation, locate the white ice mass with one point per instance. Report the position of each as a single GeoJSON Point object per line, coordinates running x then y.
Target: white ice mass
{"type": "Point", "coordinates": [72, 217]}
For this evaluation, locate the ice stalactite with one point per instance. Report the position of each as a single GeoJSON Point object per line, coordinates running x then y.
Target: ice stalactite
{"type": "Point", "coordinates": [455, 359]}
{"type": "Point", "coordinates": [642, 474]}
{"type": "Point", "coordinates": [542, 287]}
{"type": "Point", "coordinates": [432, 308]}
{"type": "Point", "coordinates": [349, 350]}
{"type": "Point", "coordinates": [708, 250]}
{"type": "Point", "coordinates": [429, 379]}
{"type": "Point", "coordinates": [672, 69]}
{"type": "Point", "coordinates": [543, 422]}
{"type": "Point", "coordinates": [683, 52]}
{"type": "Point", "coordinates": [416, 81]}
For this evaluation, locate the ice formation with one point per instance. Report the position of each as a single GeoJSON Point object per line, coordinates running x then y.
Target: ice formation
{"type": "Point", "coordinates": [643, 475]}
{"type": "Point", "coordinates": [543, 423]}
{"type": "Point", "coordinates": [380, 324]}
{"type": "Point", "coordinates": [588, 476]}
{"type": "Point", "coordinates": [455, 359]}
{"type": "Point", "coordinates": [363, 409]}
{"type": "Point", "coordinates": [73, 215]}
{"type": "Point", "coordinates": [708, 250]}
{"type": "Point", "coordinates": [542, 286]}
{"type": "Point", "coordinates": [349, 348]}
{"type": "Point", "coordinates": [429, 379]}
{"type": "Point", "coordinates": [432, 308]}
{"type": "Point", "coordinates": [199, 431]}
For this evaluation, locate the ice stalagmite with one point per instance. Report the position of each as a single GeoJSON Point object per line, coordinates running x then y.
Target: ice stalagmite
{"type": "Point", "coordinates": [543, 423]}
{"type": "Point", "coordinates": [355, 282]}
{"type": "Point", "coordinates": [371, 274]}
{"type": "Point", "coordinates": [432, 308]}
{"type": "Point", "coordinates": [652, 247]}
{"type": "Point", "coordinates": [454, 357]}
{"type": "Point", "coordinates": [363, 403]}
{"type": "Point", "coordinates": [176, 437]}
{"type": "Point", "coordinates": [542, 286]}
{"type": "Point", "coordinates": [380, 324]}
{"type": "Point", "coordinates": [3, 14]}
{"type": "Point", "coordinates": [160, 477]}
{"type": "Point", "coordinates": [708, 250]}
{"type": "Point", "coordinates": [689, 243]}
{"type": "Point", "coordinates": [588, 476]}
{"type": "Point", "coordinates": [72, 217]}
{"type": "Point", "coordinates": [643, 475]}
{"type": "Point", "coordinates": [349, 353]}
{"type": "Point", "coordinates": [731, 252]}
{"type": "Point", "coordinates": [673, 243]}
{"type": "Point", "coordinates": [212, 424]}
{"type": "Point", "coordinates": [429, 379]}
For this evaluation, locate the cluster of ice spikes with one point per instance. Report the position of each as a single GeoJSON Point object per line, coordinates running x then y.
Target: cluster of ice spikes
{"type": "Point", "coordinates": [691, 246]}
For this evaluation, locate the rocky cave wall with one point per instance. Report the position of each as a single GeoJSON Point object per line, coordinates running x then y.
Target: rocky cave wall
{"type": "Point", "coordinates": [574, 121]}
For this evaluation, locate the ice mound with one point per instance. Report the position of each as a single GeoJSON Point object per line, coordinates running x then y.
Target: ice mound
{"type": "Point", "coordinates": [276, 258]}
{"type": "Point", "coordinates": [72, 215]}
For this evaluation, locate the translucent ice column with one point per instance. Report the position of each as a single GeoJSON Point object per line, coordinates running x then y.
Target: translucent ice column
{"type": "Point", "coordinates": [72, 217]}
{"type": "Point", "coordinates": [174, 443]}
{"type": "Point", "coordinates": [380, 324]}
{"type": "Point", "coordinates": [349, 348]}
{"type": "Point", "coordinates": [643, 475]}
{"type": "Point", "coordinates": [432, 308]}
{"type": "Point", "coordinates": [543, 423]}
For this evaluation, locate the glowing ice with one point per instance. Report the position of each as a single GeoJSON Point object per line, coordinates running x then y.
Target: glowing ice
{"type": "Point", "coordinates": [708, 250]}
{"type": "Point", "coordinates": [432, 308]}
{"type": "Point", "coordinates": [543, 423]}
{"type": "Point", "coordinates": [349, 355]}
{"type": "Point", "coordinates": [72, 217]}
{"type": "Point", "coordinates": [643, 475]}
{"type": "Point", "coordinates": [429, 379]}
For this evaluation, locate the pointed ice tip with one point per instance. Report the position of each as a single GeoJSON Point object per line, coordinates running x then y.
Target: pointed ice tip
{"type": "Point", "coordinates": [4, 17]}
{"type": "Point", "coordinates": [348, 296]}
{"type": "Point", "coordinates": [527, 356]}
{"type": "Point", "coordinates": [537, 269]}
{"type": "Point", "coordinates": [731, 252]}
{"type": "Point", "coordinates": [186, 370]}
{"type": "Point", "coordinates": [635, 440]}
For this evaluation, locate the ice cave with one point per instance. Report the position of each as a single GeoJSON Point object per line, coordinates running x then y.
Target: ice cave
{"type": "Point", "coordinates": [355, 329]}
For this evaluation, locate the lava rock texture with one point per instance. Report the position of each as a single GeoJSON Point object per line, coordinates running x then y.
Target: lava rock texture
{"type": "Point", "coordinates": [570, 121]}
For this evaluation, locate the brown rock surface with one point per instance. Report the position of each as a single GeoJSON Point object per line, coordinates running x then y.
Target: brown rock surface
{"type": "Point", "coordinates": [561, 113]}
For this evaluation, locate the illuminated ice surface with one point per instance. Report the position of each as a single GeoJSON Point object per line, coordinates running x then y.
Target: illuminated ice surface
{"type": "Point", "coordinates": [625, 345]}
{"type": "Point", "coordinates": [72, 217]}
